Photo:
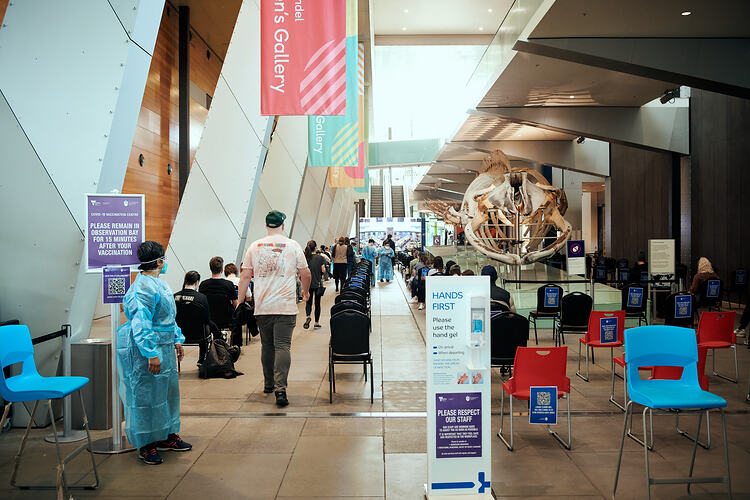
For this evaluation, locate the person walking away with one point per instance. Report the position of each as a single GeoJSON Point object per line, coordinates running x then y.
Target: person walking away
{"type": "Point", "coordinates": [148, 347]}
{"type": "Point", "coordinates": [222, 298]}
{"type": "Point", "coordinates": [273, 263]}
{"type": "Point", "coordinates": [193, 315]}
{"type": "Point", "coordinates": [350, 258]}
{"type": "Point", "coordinates": [500, 298]}
{"type": "Point", "coordinates": [420, 272]}
{"type": "Point", "coordinates": [371, 255]}
{"type": "Point", "coordinates": [385, 267]}
{"type": "Point", "coordinates": [339, 262]}
{"type": "Point", "coordinates": [316, 263]}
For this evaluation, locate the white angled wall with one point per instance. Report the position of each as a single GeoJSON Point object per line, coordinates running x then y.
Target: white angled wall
{"type": "Point", "coordinates": [71, 84]}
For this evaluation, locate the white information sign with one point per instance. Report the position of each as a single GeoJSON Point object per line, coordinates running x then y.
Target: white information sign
{"type": "Point", "coordinates": [661, 257]}
{"type": "Point", "coordinates": [576, 257]}
{"type": "Point", "coordinates": [458, 387]}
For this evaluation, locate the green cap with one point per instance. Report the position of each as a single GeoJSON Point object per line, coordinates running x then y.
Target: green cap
{"type": "Point", "coordinates": [275, 218]}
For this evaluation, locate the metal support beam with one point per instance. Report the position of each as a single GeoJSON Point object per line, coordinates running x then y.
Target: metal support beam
{"type": "Point", "coordinates": [184, 95]}
{"type": "Point", "coordinates": [716, 64]}
{"type": "Point", "coordinates": [664, 128]}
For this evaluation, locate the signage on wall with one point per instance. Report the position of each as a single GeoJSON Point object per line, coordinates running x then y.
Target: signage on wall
{"type": "Point", "coordinates": [302, 57]}
{"type": "Point", "coordinates": [543, 405]}
{"type": "Point", "coordinates": [115, 282]}
{"type": "Point", "coordinates": [576, 257]}
{"type": "Point", "coordinates": [458, 388]}
{"type": "Point", "coordinates": [115, 227]}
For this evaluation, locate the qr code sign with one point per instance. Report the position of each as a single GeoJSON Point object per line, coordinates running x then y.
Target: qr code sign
{"type": "Point", "coordinates": [609, 336]}
{"type": "Point", "coordinates": [116, 286]}
{"type": "Point", "coordinates": [543, 398]}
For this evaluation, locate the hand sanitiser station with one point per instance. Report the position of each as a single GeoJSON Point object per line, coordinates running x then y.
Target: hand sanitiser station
{"type": "Point", "coordinates": [458, 388]}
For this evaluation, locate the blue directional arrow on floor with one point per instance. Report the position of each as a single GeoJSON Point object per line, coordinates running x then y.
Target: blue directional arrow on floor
{"type": "Point", "coordinates": [463, 485]}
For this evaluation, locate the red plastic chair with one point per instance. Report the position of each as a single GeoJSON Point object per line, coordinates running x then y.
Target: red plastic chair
{"type": "Point", "coordinates": [716, 331]}
{"type": "Point", "coordinates": [536, 366]}
{"type": "Point", "coordinates": [596, 333]}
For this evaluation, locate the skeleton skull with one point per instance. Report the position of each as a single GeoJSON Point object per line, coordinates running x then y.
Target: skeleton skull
{"type": "Point", "coordinates": [508, 212]}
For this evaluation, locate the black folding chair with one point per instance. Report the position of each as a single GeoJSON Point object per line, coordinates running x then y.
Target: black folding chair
{"type": "Point", "coordinates": [351, 296]}
{"type": "Point", "coordinates": [350, 344]}
{"type": "Point", "coordinates": [190, 317]}
{"type": "Point", "coordinates": [575, 309]}
{"type": "Point", "coordinates": [680, 309]}
{"type": "Point", "coordinates": [709, 294]}
{"type": "Point", "coordinates": [739, 286]}
{"type": "Point", "coordinates": [348, 305]}
{"type": "Point", "coordinates": [547, 305]}
{"type": "Point", "coordinates": [635, 303]}
{"type": "Point", "coordinates": [508, 331]}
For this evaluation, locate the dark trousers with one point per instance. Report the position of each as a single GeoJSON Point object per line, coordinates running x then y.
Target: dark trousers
{"type": "Point", "coordinates": [314, 297]}
{"type": "Point", "coordinates": [339, 273]}
{"type": "Point", "coordinates": [745, 319]}
{"type": "Point", "coordinates": [276, 341]}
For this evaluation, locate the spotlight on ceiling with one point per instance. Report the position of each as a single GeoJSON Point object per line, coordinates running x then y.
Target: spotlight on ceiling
{"type": "Point", "coordinates": [669, 95]}
{"type": "Point", "coordinates": [580, 140]}
{"type": "Point", "coordinates": [686, 13]}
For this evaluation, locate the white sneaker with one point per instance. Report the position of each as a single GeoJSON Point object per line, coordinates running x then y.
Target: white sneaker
{"type": "Point", "coordinates": [739, 332]}
{"type": "Point", "coordinates": [421, 306]}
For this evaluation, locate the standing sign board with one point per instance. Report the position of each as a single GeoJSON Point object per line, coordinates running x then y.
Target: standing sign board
{"type": "Point", "coordinates": [661, 257]}
{"type": "Point", "coordinates": [115, 228]}
{"type": "Point", "coordinates": [543, 405]}
{"type": "Point", "coordinates": [458, 387]}
{"type": "Point", "coordinates": [576, 257]}
{"type": "Point", "coordinates": [115, 282]}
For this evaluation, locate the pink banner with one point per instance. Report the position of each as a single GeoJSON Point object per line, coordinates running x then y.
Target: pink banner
{"type": "Point", "coordinates": [303, 57]}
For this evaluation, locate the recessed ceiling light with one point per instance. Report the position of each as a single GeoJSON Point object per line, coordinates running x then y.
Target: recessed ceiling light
{"type": "Point", "coordinates": [481, 28]}
{"type": "Point", "coordinates": [489, 10]}
{"type": "Point", "coordinates": [403, 28]}
{"type": "Point", "coordinates": [406, 11]}
{"type": "Point", "coordinates": [686, 13]}
{"type": "Point", "coordinates": [572, 96]}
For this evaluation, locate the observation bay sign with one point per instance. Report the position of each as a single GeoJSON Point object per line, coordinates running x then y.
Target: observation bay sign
{"type": "Point", "coordinates": [458, 387]}
{"type": "Point", "coordinates": [115, 225]}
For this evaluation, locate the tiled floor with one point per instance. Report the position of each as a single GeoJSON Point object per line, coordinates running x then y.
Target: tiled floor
{"type": "Point", "coordinates": [245, 447]}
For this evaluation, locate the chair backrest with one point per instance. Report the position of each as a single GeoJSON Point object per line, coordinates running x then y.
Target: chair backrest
{"type": "Point", "coordinates": [600, 273]}
{"type": "Point", "coordinates": [350, 333]}
{"type": "Point", "coordinates": [716, 326]}
{"type": "Point", "coordinates": [221, 309]}
{"type": "Point", "coordinates": [548, 298]}
{"type": "Point", "coordinates": [15, 347]}
{"type": "Point", "coordinates": [347, 305]}
{"type": "Point", "coordinates": [541, 366]}
{"type": "Point", "coordinates": [190, 318]}
{"type": "Point", "coordinates": [675, 373]}
{"type": "Point", "coordinates": [508, 331]}
{"type": "Point", "coordinates": [634, 298]}
{"type": "Point", "coordinates": [661, 345]}
{"type": "Point", "coordinates": [606, 327]}
{"type": "Point", "coordinates": [575, 309]}
{"type": "Point", "coordinates": [352, 296]}
{"type": "Point", "coordinates": [739, 279]}
{"type": "Point", "coordinates": [623, 263]}
{"type": "Point", "coordinates": [709, 292]}
{"type": "Point", "coordinates": [679, 309]}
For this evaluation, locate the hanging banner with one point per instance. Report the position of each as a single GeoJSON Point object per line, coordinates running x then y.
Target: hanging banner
{"type": "Point", "coordinates": [302, 57]}
{"type": "Point", "coordinates": [364, 119]}
{"type": "Point", "coordinates": [333, 140]}
{"type": "Point", "coordinates": [115, 225]}
{"type": "Point", "coordinates": [354, 176]}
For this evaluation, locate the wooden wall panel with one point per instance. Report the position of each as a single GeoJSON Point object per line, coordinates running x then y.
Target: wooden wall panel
{"type": "Point", "coordinates": [3, 8]}
{"type": "Point", "coordinates": [157, 133]}
{"type": "Point", "coordinates": [640, 199]}
{"type": "Point", "coordinates": [720, 208]}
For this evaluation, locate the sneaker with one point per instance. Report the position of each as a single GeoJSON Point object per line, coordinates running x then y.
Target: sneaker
{"type": "Point", "coordinates": [173, 443]}
{"type": "Point", "coordinates": [267, 390]}
{"type": "Point", "coordinates": [149, 455]}
{"type": "Point", "coordinates": [317, 326]}
{"type": "Point", "coordinates": [281, 399]}
{"type": "Point", "coordinates": [307, 323]}
{"type": "Point", "coordinates": [421, 306]}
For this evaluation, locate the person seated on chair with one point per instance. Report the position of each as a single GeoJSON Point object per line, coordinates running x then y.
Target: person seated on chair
{"type": "Point", "coordinates": [705, 272]}
{"type": "Point", "coordinates": [193, 314]}
{"type": "Point", "coordinates": [232, 274]}
{"type": "Point", "coordinates": [221, 294]}
{"type": "Point", "coordinates": [500, 298]}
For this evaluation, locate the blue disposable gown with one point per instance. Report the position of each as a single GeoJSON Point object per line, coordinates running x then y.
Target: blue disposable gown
{"type": "Point", "coordinates": [151, 402]}
{"type": "Point", "coordinates": [369, 253]}
{"type": "Point", "coordinates": [385, 269]}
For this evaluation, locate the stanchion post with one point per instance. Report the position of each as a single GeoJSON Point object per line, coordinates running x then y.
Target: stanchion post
{"type": "Point", "coordinates": [114, 379]}
{"type": "Point", "coordinates": [593, 293]}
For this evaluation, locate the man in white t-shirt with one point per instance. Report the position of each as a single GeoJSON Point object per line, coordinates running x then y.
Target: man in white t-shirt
{"type": "Point", "coordinates": [274, 262]}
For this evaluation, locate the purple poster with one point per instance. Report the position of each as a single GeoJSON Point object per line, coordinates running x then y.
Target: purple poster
{"type": "Point", "coordinates": [114, 229]}
{"type": "Point", "coordinates": [115, 282]}
{"type": "Point", "coordinates": [459, 424]}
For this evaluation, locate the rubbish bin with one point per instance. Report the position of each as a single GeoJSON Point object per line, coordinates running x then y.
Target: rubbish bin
{"type": "Point", "coordinates": [91, 358]}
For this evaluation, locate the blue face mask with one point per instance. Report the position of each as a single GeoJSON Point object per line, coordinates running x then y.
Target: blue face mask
{"type": "Point", "coordinates": [164, 269]}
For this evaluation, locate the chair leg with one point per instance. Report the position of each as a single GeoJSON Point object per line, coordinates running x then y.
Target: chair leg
{"type": "Point", "coordinates": [645, 437]}
{"type": "Point", "coordinates": [556, 435]}
{"type": "Point", "coordinates": [502, 412]}
{"type": "Point", "coordinates": [372, 384]}
{"type": "Point", "coordinates": [61, 483]}
{"type": "Point", "coordinates": [330, 379]}
{"type": "Point", "coordinates": [6, 412]}
{"type": "Point", "coordinates": [612, 391]}
{"type": "Point", "coordinates": [726, 453]}
{"type": "Point", "coordinates": [628, 410]}
{"type": "Point", "coordinates": [695, 447]}
{"type": "Point", "coordinates": [536, 338]}
{"type": "Point", "coordinates": [364, 368]}
{"type": "Point", "coordinates": [578, 373]}
{"type": "Point", "coordinates": [17, 460]}
{"type": "Point", "coordinates": [707, 444]}
{"type": "Point", "coordinates": [713, 365]}
{"type": "Point", "coordinates": [645, 455]}
{"type": "Point", "coordinates": [88, 439]}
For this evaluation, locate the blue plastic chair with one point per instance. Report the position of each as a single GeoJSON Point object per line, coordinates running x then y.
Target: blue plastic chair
{"type": "Point", "coordinates": [663, 345]}
{"type": "Point", "coordinates": [16, 347]}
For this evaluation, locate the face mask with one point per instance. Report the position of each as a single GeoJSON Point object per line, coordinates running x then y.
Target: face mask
{"type": "Point", "coordinates": [164, 269]}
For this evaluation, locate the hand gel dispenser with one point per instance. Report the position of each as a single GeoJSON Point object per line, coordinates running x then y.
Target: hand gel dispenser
{"type": "Point", "coordinates": [477, 331]}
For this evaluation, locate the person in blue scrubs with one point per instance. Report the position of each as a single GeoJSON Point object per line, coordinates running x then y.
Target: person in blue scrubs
{"type": "Point", "coordinates": [385, 268]}
{"type": "Point", "coordinates": [148, 346]}
{"type": "Point", "coordinates": [370, 254]}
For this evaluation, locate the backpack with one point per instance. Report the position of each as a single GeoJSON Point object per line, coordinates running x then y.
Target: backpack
{"type": "Point", "coordinates": [219, 360]}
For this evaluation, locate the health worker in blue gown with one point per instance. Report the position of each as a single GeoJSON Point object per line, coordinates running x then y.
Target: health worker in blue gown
{"type": "Point", "coordinates": [369, 253]}
{"type": "Point", "coordinates": [385, 268]}
{"type": "Point", "coordinates": [148, 346]}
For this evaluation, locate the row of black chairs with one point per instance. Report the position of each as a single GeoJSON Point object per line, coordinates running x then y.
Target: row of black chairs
{"type": "Point", "coordinates": [351, 326]}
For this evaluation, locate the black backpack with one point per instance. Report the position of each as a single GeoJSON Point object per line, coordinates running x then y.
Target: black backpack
{"type": "Point", "coordinates": [219, 360]}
